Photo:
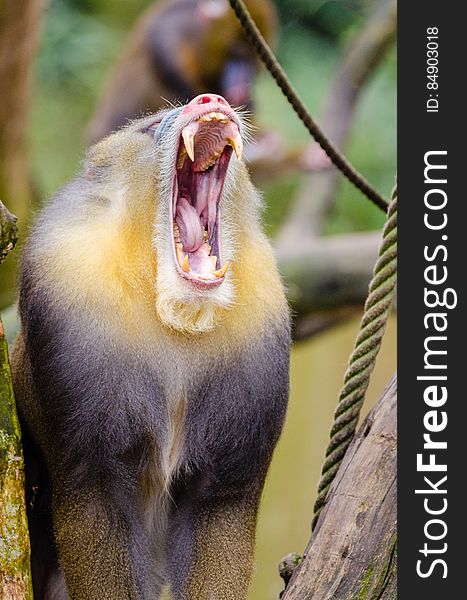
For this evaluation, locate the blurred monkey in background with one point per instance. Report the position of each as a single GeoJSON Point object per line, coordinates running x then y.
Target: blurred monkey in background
{"type": "Point", "coordinates": [181, 48]}
{"type": "Point", "coordinates": [178, 49]}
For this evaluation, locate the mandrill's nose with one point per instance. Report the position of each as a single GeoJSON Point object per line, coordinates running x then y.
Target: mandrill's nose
{"type": "Point", "coordinates": [211, 108]}
{"type": "Point", "coordinates": [206, 103]}
{"type": "Point", "coordinates": [208, 99]}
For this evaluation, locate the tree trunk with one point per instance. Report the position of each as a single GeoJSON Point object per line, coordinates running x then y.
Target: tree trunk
{"type": "Point", "coordinates": [19, 34]}
{"type": "Point", "coordinates": [352, 553]}
{"type": "Point", "coordinates": [15, 576]}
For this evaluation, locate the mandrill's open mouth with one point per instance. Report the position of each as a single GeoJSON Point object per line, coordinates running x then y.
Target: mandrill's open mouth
{"type": "Point", "coordinates": [204, 153]}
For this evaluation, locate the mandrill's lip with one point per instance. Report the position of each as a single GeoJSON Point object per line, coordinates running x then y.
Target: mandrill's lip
{"type": "Point", "coordinates": [204, 151]}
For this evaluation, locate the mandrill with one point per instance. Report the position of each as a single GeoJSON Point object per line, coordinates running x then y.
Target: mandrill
{"type": "Point", "coordinates": [151, 373]}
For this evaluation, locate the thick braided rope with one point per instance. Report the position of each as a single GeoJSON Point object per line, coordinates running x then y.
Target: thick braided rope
{"type": "Point", "coordinates": [273, 66]}
{"type": "Point", "coordinates": [363, 358]}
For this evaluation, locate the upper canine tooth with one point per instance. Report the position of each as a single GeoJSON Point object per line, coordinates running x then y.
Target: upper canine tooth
{"type": "Point", "coordinates": [237, 144]}
{"type": "Point", "coordinates": [188, 135]}
{"type": "Point", "coordinates": [189, 140]}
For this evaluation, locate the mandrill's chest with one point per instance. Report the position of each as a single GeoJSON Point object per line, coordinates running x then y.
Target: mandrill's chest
{"type": "Point", "coordinates": [220, 367]}
{"type": "Point", "coordinates": [233, 354]}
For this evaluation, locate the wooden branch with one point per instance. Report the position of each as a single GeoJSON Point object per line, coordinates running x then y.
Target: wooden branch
{"type": "Point", "coordinates": [15, 575]}
{"type": "Point", "coordinates": [327, 278]}
{"type": "Point", "coordinates": [352, 553]}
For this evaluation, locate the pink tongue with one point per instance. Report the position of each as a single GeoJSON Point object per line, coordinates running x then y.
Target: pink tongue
{"type": "Point", "coordinates": [189, 225]}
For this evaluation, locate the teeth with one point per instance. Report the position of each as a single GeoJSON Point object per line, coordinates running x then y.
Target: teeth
{"type": "Point", "coordinates": [212, 161]}
{"type": "Point", "coordinates": [180, 254]}
{"type": "Point", "coordinates": [215, 116]}
{"type": "Point", "coordinates": [189, 132]}
{"type": "Point", "coordinates": [188, 135]}
{"type": "Point", "coordinates": [237, 144]}
{"type": "Point", "coordinates": [222, 271]}
{"type": "Point", "coordinates": [189, 140]}
{"type": "Point", "coordinates": [186, 264]}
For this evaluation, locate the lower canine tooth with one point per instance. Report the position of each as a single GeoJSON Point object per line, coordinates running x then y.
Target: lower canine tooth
{"type": "Point", "coordinates": [180, 254]}
{"type": "Point", "coordinates": [186, 264]}
{"type": "Point", "coordinates": [222, 271]}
